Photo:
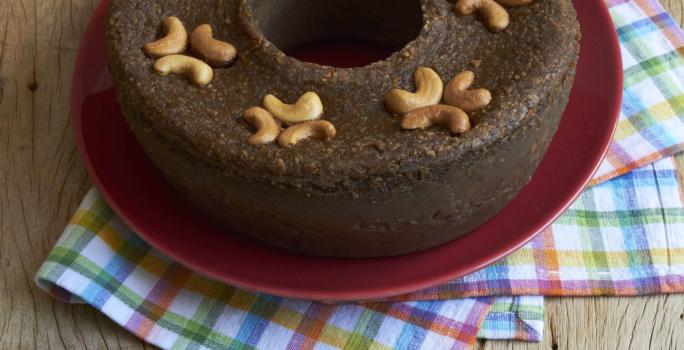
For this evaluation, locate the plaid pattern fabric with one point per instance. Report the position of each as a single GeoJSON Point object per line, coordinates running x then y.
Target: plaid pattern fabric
{"type": "Point", "coordinates": [622, 237]}
{"type": "Point", "coordinates": [517, 317]}
{"type": "Point", "coordinates": [651, 125]}
{"type": "Point", "coordinates": [102, 262]}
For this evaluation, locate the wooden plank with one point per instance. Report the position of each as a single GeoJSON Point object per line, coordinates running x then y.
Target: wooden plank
{"type": "Point", "coordinates": [42, 181]}
{"type": "Point", "coordinates": [41, 177]}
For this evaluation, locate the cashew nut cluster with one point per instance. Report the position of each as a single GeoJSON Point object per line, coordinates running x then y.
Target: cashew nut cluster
{"type": "Point", "coordinates": [301, 116]}
{"type": "Point", "coordinates": [458, 100]}
{"type": "Point", "coordinates": [169, 52]}
{"type": "Point", "coordinates": [495, 15]}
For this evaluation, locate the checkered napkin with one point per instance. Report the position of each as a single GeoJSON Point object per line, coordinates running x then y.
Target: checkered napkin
{"type": "Point", "coordinates": [621, 237]}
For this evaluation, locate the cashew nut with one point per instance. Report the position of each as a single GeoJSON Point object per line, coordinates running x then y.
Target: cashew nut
{"type": "Point", "coordinates": [318, 129]}
{"type": "Point", "coordinates": [267, 128]}
{"type": "Point", "coordinates": [199, 71]}
{"type": "Point", "coordinates": [514, 3]}
{"type": "Point", "coordinates": [495, 15]}
{"type": "Point", "coordinates": [457, 94]}
{"type": "Point", "coordinates": [455, 119]}
{"type": "Point", "coordinates": [215, 52]}
{"type": "Point", "coordinates": [175, 41]}
{"type": "Point", "coordinates": [308, 107]}
{"type": "Point", "coordinates": [429, 89]}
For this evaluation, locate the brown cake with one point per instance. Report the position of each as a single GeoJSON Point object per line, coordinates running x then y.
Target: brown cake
{"type": "Point", "coordinates": [367, 187]}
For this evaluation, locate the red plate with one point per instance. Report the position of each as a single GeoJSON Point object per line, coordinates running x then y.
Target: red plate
{"type": "Point", "coordinates": [140, 196]}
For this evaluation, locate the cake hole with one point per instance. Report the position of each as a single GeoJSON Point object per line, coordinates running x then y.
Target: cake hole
{"type": "Point", "coordinates": [351, 33]}
{"type": "Point", "coordinates": [342, 54]}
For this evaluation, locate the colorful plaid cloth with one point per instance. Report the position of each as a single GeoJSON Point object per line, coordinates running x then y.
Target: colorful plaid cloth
{"type": "Point", "coordinates": [651, 125]}
{"type": "Point", "coordinates": [622, 237]}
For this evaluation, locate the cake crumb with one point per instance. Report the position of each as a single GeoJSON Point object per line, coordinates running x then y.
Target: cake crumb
{"type": "Point", "coordinates": [380, 146]}
{"type": "Point", "coordinates": [280, 165]}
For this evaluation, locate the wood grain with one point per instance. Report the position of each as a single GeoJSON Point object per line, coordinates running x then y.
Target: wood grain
{"type": "Point", "coordinates": [42, 181]}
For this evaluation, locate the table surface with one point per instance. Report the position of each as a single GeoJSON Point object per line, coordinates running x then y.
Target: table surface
{"type": "Point", "coordinates": [42, 181]}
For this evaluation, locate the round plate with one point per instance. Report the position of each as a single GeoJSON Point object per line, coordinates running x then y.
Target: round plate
{"type": "Point", "coordinates": [141, 197]}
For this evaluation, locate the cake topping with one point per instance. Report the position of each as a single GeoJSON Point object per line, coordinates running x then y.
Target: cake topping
{"type": "Point", "coordinates": [169, 52]}
{"type": "Point", "coordinates": [200, 72]}
{"type": "Point", "coordinates": [453, 118]}
{"type": "Point", "coordinates": [318, 129]}
{"type": "Point", "coordinates": [495, 16]}
{"type": "Point", "coordinates": [267, 128]}
{"type": "Point", "coordinates": [175, 41]}
{"type": "Point", "coordinates": [308, 107]}
{"type": "Point", "coordinates": [303, 114]}
{"type": "Point", "coordinates": [215, 52]}
{"type": "Point", "coordinates": [457, 94]}
{"type": "Point", "coordinates": [429, 88]}
{"type": "Point", "coordinates": [457, 97]}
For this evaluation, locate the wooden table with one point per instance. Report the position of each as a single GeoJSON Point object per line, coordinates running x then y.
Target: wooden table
{"type": "Point", "coordinates": [42, 181]}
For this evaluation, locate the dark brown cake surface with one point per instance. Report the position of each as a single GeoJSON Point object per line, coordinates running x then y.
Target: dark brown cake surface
{"type": "Point", "coordinates": [519, 66]}
{"type": "Point", "coordinates": [373, 171]}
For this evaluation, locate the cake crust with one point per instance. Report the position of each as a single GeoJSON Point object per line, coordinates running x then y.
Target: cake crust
{"type": "Point", "coordinates": [375, 190]}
